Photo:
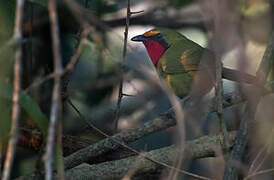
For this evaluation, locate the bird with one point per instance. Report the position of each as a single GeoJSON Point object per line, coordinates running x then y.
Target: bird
{"type": "Point", "coordinates": [178, 60]}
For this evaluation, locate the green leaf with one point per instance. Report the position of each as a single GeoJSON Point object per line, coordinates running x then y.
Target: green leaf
{"type": "Point", "coordinates": [28, 104]}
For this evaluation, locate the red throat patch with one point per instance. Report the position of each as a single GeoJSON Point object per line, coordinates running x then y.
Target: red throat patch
{"type": "Point", "coordinates": [155, 50]}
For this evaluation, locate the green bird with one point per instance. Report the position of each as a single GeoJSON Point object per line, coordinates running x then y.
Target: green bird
{"type": "Point", "coordinates": [178, 59]}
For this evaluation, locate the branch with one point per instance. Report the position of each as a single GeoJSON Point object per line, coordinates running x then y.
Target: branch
{"type": "Point", "coordinates": [56, 108]}
{"type": "Point", "coordinates": [16, 85]}
{"type": "Point", "coordinates": [200, 148]}
{"type": "Point", "coordinates": [120, 95]}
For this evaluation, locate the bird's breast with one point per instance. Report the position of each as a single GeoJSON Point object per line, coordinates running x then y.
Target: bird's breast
{"type": "Point", "coordinates": [155, 51]}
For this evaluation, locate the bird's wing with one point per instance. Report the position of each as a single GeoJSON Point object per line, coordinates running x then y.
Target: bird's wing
{"type": "Point", "coordinates": [181, 57]}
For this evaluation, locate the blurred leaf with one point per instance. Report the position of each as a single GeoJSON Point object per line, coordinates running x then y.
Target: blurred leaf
{"type": "Point", "coordinates": [28, 104]}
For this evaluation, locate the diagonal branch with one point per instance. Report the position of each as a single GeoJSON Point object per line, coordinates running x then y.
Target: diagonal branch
{"type": "Point", "coordinates": [199, 148]}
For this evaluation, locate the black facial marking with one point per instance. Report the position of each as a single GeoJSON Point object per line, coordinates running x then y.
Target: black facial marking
{"type": "Point", "coordinates": [159, 38]}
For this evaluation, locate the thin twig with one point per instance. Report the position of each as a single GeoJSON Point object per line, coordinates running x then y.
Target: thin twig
{"type": "Point", "coordinates": [219, 90]}
{"type": "Point", "coordinates": [56, 107]}
{"type": "Point", "coordinates": [137, 12]}
{"type": "Point", "coordinates": [18, 36]}
{"type": "Point", "coordinates": [120, 95]}
{"type": "Point", "coordinates": [258, 173]}
{"type": "Point", "coordinates": [128, 95]}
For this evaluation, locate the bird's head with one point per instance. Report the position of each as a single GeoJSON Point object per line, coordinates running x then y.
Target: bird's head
{"type": "Point", "coordinates": [157, 41]}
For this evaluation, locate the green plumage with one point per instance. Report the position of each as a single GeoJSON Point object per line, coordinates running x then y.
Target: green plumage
{"type": "Point", "coordinates": [180, 61]}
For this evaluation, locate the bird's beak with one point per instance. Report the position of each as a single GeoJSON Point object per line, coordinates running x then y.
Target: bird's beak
{"type": "Point", "coordinates": [139, 38]}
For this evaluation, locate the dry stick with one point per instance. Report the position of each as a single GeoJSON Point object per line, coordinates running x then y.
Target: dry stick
{"type": "Point", "coordinates": [219, 99]}
{"type": "Point", "coordinates": [18, 36]}
{"type": "Point", "coordinates": [56, 108]}
{"type": "Point", "coordinates": [231, 171]}
{"type": "Point", "coordinates": [120, 95]}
